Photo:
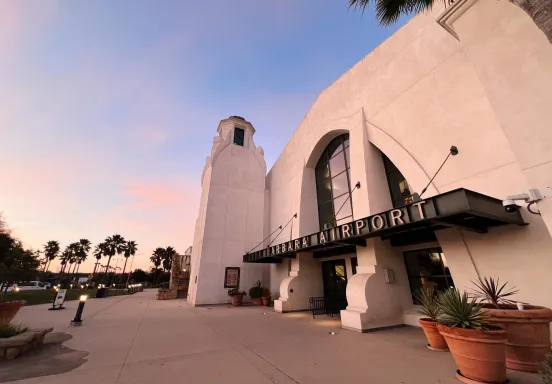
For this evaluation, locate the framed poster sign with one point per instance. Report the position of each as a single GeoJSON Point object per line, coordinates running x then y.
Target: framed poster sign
{"type": "Point", "coordinates": [232, 277]}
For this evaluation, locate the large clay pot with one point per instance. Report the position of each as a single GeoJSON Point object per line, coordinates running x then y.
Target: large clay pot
{"type": "Point", "coordinates": [479, 355]}
{"type": "Point", "coordinates": [8, 310]}
{"type": "Point", "coordinates": [256, 301]}
{"type": "Point", "coordinates": [266, 301]}
{"type": "Point", "coordinates": [436, 340]}
{"type": "Point", "coordinates": [237, 300]}
{"type": "Point", "coordinates": [528, 333]}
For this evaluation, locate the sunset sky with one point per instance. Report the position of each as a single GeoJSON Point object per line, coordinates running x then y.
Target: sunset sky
{"type": "Point", "coordinates": [108, 108]}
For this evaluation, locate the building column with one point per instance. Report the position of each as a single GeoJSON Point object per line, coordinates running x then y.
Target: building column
{"type": "Point", "coordinates": [304, 281]}
{"type": "Point", "coordinates": [373, 303]}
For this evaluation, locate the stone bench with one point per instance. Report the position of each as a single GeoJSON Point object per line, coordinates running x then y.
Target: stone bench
{"type": "Point", "coordinates": [15, 346]}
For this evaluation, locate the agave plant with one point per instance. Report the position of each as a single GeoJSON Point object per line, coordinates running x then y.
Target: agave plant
{"type": "Point", "coordinates": [427, 298]}
{"type": "Point", "coordinates": [546, 369]}
{"type": "Point", "coordinates": [458, 311]}
{"type": "Point", "coordinates": [490, 290]}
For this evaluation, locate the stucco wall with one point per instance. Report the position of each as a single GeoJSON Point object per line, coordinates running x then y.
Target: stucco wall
{"type": "Point", "coordinates": [422, 91]}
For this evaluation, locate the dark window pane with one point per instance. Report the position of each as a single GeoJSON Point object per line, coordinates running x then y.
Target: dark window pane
{"type": "Point", "coordinates": [322, 173]}
{"type": "Point", "coordinates": [423, 263]}
{"type": "Point", "coordinates": [337, 164]}
{"type": "Point", "coordinates": [346, 210]}
{"type": "Point", "coordinates": [335, 146]}
{"type": "Point", "coordinates": [239, 136]}
{"type": "Point", "coordinates": [326, 214]}
{"type": "Point", "coordinates": [324, 192]}
{"type": "Point", "coordinates": [340, 184]}
{"type": "Point", "coordinates": [427, 268]}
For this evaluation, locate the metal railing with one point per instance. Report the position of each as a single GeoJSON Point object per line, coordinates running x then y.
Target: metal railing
{"type": "Point", "coordinates": [327, 305]}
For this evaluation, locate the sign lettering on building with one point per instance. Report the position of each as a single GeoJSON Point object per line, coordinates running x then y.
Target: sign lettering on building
{"type": "Point", "coordinates": [420, 210]}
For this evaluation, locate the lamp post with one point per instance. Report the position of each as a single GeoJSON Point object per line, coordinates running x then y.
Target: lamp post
{"type": "Point", "coordinates": [78, 316]}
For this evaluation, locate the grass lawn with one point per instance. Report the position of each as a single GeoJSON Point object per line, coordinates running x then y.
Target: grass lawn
{"type": "Point", "coordinates": [47, 295]}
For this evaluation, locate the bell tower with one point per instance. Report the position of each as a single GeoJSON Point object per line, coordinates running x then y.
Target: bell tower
{"type": "Point", "coordinates": [231, 214]}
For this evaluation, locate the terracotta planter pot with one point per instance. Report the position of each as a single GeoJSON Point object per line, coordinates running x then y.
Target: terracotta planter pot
{"type": "Point", "coordinates": [237, 300]}
{"type": "Point", "coordinates": [9, 309]}
{"type": "Point", "coordinates": [266, 301]}
{"type": "Point", "coordinates": [479, 355]}
{"type": "Point", "coordinates": [256, 300]}
{"type": "Point", "coordinates": [528, 333]}
{"type": "Point", "coordinates": [436, 340]}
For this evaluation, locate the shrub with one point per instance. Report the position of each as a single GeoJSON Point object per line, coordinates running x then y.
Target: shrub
{"type": "Point", "coordinates": [457, 311]}
{"type": "Point", "coordinates": [256, 290]}
{"type": "Point", "coordinates": [10, 330]}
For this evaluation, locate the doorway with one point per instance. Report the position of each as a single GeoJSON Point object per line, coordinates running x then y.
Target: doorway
{"type": "Point", "coordinates": [334, 278]}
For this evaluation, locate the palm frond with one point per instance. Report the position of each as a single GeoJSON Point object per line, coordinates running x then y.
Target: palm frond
{"type": "Point", "coordinates": [389, 11]}
{"type": "Point", "coordinates": [456, 310]}
{"type": "Point", "coordinates": [490, 290]}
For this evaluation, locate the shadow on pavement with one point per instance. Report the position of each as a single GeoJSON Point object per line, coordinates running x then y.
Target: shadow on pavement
{"type": "Point", "coordinates": [50, 359]}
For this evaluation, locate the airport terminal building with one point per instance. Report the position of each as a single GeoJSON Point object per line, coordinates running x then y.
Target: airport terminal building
{"type": "Point", "coordinates": [395, 178]}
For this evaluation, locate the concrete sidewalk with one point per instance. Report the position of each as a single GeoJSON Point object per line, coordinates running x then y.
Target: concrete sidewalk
{"type": "Point", "coordinates": [136, 339]}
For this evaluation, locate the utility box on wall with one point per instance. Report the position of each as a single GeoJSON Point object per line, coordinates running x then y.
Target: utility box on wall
{"type": "Point", "coordinates": [389, 276]}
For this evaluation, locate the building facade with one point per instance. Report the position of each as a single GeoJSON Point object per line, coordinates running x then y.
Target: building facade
{"type": "Point", "coordinates": [357, 208]}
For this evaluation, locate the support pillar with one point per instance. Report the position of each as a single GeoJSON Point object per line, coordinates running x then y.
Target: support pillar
{"type": "Point", "coordinates": [373, 303]}
{"type": "Point", "coordinates": [304, 281]}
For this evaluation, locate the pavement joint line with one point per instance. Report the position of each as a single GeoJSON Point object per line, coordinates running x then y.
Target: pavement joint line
{"type": "Point", "coordinates": [133, 340]}
{"type": "Point", "coordinates": [122, 298]}
{"type": "Point", "coordinates": [228, 334]}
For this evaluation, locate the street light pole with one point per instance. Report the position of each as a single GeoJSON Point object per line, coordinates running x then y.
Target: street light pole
{"type": "Point", "coordinates": [128, 277]}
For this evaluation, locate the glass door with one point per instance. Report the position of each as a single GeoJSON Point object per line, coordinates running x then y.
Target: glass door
{"type": "Point", "coordinates": [335, 278]}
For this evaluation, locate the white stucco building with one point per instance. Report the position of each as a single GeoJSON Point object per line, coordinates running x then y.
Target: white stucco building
{"type": "Point", "coordinates": [477, 76]}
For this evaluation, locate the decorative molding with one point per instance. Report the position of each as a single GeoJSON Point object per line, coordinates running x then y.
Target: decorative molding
{"type": "Point", "coordinates": [453, 13]}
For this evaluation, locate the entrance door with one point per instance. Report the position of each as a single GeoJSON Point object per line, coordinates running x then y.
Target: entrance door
{"type": "Point", "coordinates": [335, 278]}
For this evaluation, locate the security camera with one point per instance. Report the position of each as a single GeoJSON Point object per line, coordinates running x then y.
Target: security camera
{"type": "Point", "coordinates": [510, 206]}
{"type": "Point", "coordinates": [531, 197]}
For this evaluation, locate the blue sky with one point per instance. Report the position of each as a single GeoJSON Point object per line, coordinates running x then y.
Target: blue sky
{"type": "Point", "coordinates": [108, 108]}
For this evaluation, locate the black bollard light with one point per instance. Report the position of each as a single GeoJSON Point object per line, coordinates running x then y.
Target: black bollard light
{"type": "Point", "coordinates": [78, 316]}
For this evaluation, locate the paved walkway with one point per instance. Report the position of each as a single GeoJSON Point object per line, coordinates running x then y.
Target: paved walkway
{"type": "Point", "coordinates": [136, 339]}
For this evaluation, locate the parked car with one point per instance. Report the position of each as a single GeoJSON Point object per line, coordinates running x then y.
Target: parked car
{"type": "Point", "coordinates": [28, 286]}
{"type": "Point", "coordinates": [47, 285]}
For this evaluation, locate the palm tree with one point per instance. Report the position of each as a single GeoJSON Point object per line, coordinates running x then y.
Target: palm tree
{"type": "Point", "coordinates": [115, 246]}
{"type": "Point", "coordinates": [170, 252]}
{"type": "Point", "coordinates": [99, 252]}
{"type": "Point", "coordinates": [82, 253]}
{"type": "Point", "coordinates": [72, 253]}
{"type": "Point", "coordinates": [130, 250]}
{"type": "Point", "coordinates": [157, 258]}
{"type": "Point", "coordinates": [388, 11]}
{"type": "Point", "coordinates": [51, 251]}
{"type": "Point", "coordinates": [66, 255]}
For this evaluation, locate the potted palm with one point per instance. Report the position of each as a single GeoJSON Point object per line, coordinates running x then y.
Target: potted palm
{"type": "Point", "coordinates": [427, 299]}
{"type": "Point", "coordinates": [256, 292]}
{"type": "Point", "coordinates": [237, 296]}
{"type": "Point", "coordinates": [476, 344]}
{"type": "Point", "coordinates": [527, 326]}
{"type": "Point", "coordinates": [266, 297]}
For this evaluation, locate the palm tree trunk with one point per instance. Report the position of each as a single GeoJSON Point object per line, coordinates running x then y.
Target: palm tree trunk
{"type": "Point", "coordinates": [541, 13]}
{"type": "Point", "coordinates": [106, 269]}
{"type": "Point", "coordinates": [124, 267]}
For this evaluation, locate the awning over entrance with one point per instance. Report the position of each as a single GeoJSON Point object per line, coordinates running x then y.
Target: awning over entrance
{"type": "Point", "coordinates": [410, 224]}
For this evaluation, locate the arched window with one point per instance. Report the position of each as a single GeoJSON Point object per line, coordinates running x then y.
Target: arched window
{"type": "Point", "coordinates": [333, 184]}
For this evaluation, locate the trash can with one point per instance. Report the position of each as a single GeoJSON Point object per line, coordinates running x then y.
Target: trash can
{"type": "Point", "coordinates": [101, 293]}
